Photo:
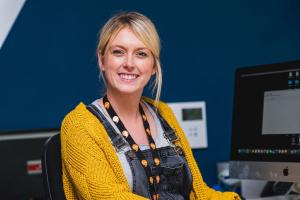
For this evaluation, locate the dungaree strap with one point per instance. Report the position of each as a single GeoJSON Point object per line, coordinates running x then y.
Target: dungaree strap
{"type": "Point", "coordinates": [169, 132]}
{"type": "Point", "coordinates": [118, 141]}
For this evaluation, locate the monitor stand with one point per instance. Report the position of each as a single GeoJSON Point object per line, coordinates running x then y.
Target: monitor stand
{"type": "Point", "coordinates": [254, 189]}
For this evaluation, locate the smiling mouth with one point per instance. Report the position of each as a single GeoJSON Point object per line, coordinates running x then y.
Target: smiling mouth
{"type": "Point", "coordinates": [128, 77]}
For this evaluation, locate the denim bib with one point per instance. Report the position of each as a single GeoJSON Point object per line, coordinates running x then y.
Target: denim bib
{"type": "Point", "coordinates": [176, 177]}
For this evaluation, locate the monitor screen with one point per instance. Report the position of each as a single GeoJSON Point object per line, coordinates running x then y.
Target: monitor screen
{"type": "Point", "coordinates": [266, 123]}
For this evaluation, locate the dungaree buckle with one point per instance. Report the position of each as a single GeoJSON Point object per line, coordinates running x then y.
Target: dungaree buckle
{"type": "Point", "coordinates": [119, 143]}
{"type": "Point", "coordinates": [178, 149]}
{"type": "Point", "coordinates": [171, 135]}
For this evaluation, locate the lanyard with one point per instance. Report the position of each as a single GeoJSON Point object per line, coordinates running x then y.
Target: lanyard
{"type": "Point", "coordinates": [153, 180]}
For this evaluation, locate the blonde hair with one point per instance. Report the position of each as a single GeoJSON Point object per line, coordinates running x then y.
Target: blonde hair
{"type": "Point", "coordinates": [144, 29]}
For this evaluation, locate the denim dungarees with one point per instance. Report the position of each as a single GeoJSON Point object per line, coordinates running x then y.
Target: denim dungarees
{"type": "Point", "coordinates": [176, 177]}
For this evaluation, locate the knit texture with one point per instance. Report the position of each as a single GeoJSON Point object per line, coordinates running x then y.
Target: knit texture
{"type": "Point", "coordinates": [92, 170]}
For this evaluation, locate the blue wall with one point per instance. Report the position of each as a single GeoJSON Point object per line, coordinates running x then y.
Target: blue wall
{"type": "Point", "coordinates": [48, 62]}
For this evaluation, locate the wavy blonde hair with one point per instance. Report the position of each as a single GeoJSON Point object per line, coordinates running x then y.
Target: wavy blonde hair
{"type": "Point", "coordinates": [145, 30]}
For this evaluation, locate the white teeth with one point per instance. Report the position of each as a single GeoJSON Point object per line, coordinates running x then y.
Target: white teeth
{"type": "Point", "coordinates": [128, 76]}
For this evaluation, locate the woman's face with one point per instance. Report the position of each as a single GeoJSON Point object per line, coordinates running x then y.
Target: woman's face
{"type": "Point", "coordinates": [127, 64]}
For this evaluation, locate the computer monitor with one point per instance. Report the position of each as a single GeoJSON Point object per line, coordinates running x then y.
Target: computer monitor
{"type": "Point", "coordinates": [265, 140]}
{"type": "Point", "coordinates": [20, 169]}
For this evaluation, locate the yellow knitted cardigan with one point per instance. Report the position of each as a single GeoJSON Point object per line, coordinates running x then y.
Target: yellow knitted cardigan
{"type": "Point", "coordinates": [92, 170]}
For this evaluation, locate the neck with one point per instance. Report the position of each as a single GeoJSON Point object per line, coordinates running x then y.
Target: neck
{"type": "Point", "coordinates": [125, 105]}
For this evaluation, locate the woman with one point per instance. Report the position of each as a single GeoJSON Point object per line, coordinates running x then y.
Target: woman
{"type": "Point", "coordinates": [125, 146]}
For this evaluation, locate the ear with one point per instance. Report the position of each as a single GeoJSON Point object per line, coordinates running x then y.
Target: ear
{"type": "Point", "coordinates": [100, 61]}
{"type": "Point", "coordinates": [154, 70]}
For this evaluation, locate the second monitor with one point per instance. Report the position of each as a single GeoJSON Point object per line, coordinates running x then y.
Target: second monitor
{"type": "Point", "coordinates": [266, 123]}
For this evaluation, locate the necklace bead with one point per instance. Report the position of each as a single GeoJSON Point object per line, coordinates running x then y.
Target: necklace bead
{"type": "Point", "coordinates": [115, 119]}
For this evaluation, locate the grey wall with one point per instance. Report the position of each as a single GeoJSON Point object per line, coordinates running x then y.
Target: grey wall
{"type": "Point", "coordinates": [48, 62]}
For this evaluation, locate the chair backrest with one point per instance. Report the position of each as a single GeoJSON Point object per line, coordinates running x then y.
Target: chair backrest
{"type": "Point", "coordinates": [52, 169]}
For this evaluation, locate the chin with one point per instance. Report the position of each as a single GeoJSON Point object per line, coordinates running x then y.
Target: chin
{"type": "Point", "coordinates": [128, 91]}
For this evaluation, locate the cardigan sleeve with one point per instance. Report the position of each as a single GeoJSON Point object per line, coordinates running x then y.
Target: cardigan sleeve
{"type": "Point", "coordinates": [200, 190]}
{"type": "Point", "coordinates": [87, 174]}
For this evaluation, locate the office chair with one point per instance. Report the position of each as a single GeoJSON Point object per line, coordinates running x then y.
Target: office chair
{"type": "Point", "coordinates": [52, 169]}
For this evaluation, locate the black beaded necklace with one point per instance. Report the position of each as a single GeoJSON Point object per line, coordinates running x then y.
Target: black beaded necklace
{"type": "Point", "coordinates": [153, 179]}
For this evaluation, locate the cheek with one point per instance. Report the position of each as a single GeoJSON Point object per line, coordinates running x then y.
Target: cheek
{"type": "Point", "coordinates": [147, 65]}
{"type": "Point", "coordinates": [112, 62]}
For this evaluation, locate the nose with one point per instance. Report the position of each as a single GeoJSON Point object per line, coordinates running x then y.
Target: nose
{"type": "Point", "coordinates": [129, 62]}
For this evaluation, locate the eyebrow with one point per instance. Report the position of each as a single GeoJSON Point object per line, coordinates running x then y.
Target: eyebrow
{"type": "Point", "coordinates": [122, 47]}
